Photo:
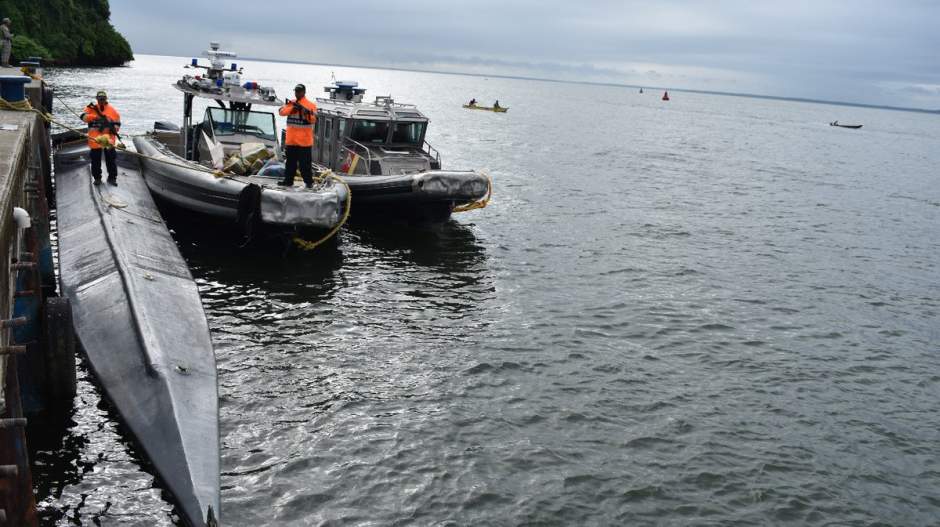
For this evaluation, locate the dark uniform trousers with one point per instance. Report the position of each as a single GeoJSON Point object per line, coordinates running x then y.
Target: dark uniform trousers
{"type": "Point", "coordinates": [302, 155]}
{"type": "Point", "coordinates": [110, 160]}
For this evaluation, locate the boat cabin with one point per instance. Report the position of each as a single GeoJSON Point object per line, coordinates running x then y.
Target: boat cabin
{"type": "Point", "coordinates": [370, 138]}
{"type": "Point", "coordinates": [233, 127]}
{"type": "Point", "coordinates": [231, 123]}
{"type": "Point", "coordinates": [228, 126]}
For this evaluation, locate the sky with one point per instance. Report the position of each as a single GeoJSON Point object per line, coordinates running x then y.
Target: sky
{"type": "Point", "coordinates": [860, 51]}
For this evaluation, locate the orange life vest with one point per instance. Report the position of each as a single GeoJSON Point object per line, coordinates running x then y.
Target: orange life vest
{"type": "Point", "coordinates": [105, 121]}
{"type": "Point", "coordinates": [299, 124]}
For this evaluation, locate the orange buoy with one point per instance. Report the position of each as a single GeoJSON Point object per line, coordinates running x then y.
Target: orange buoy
{"type": "Point", "coordinates": [665, 95]}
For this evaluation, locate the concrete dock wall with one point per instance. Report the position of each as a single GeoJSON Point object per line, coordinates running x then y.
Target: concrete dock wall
{"type": "Point", "coordinates": [21, 288]}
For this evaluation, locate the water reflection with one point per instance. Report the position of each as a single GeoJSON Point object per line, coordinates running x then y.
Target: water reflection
{"type": "Point", "coordinates": [55, 453]}
{"type": "Point", "coordinates": [449, 245]}
{"type": "Point", "coordinates": [67, 450]}
{"type": "Point", "coordinates": [264, 267]}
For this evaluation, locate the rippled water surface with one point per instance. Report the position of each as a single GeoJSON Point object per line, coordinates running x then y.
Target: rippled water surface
{"type": "Point", "coordinates": [716, 310]}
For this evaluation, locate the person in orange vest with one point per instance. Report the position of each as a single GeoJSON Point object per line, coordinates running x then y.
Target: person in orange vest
{"type": "Point", "coordinates": [301, 113]}
{"type": "Point", "coordinates": [104, 121]}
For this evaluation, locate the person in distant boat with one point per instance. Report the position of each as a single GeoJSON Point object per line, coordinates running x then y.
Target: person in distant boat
{"type": "Point", "coordinates": [496, 104]}
{"type": "Point", "coordinates": [301, 113]}
{"type": "Point", "coordinates": [473, 102]}
{"type": "Point", "coordinates": [103, 121]}
{"type": "Point", "coordinates": [6, 42]}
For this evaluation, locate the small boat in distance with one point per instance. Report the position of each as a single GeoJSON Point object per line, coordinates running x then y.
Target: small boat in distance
{"type": "Point", "coordinates": [852, 126]}
{"type": "Point", "coordinates": [665, 95]}
{"type": "Point", "coordinates": [497, 109]}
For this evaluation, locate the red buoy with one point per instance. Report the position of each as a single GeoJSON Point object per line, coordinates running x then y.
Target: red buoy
{"type": "Point", "coordinates": [665, 95]}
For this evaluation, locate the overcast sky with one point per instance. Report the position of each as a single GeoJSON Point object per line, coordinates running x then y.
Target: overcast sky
{"type": "Point", "coordinates": [868, 51]}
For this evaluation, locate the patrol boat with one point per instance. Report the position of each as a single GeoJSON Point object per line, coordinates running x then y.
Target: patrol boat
{"type": "Point", "coordinates": [226, 167]}
{"type": "Point", "coordinates": [380, 151]}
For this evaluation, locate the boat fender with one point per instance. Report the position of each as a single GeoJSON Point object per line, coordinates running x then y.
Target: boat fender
{"type": "Point", "coordinates": [59, 361]}
{"type": "Point", "coordinates": [47, 95]}
{"type": "Point", "coordinates": [249, 209]}
{"type": "Point", "coordinates": [164, 126]}
{"type": "Point", "coordinates": [21, 217]}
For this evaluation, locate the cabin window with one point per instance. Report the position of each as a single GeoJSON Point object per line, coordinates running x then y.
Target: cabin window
{"type": "Point", "coordinates": [370, 131]}
{"type": "Point", "coordinates": [231, 122]}
{"type": "Point", "coordinates": [327, 134]}
{"type": "Point", "coordinates": [407, 133]}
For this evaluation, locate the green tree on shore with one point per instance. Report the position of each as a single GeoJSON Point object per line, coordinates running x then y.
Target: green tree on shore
{"type": "Point", "coordinates": [66, 32]}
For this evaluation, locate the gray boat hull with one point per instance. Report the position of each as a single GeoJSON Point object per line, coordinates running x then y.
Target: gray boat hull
{"type": "Point", "coordinates": [430, 194]}
{"type": "Point", "coordinates": [170, 178]}
{"type": "Point", "coordinates": [139, 318]}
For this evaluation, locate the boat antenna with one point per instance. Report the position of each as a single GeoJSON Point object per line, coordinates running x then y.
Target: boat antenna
{"type": "Point", "coordinates": [333, 77]}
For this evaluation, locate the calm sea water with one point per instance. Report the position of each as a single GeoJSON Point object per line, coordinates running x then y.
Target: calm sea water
{"type": "Point", "coordinates": [712, 311]}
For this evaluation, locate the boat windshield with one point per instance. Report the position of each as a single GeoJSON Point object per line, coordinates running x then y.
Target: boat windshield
{"type": "Point", "coordinates": [230, 122]}
{"type": "Point", "coordinates": [407, 133]}
{"type": "Point", "coordinates": [375, 132]}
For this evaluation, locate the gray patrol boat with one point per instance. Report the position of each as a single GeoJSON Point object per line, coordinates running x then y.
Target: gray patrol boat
{"type": "Point", "coordinates": [182, 163]}
{"type": "Point", "coordinates": [380, 150]}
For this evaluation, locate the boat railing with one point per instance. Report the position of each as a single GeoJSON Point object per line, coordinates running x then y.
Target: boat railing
{"type": "Point", "coordinates": [360, 104]}
{"type": "Point", "coordinates": [359, 146]}
{"type": "Point", "coordinates": [432, 152]}
{"type": "Point", "coordinates": [386, 101]}
{"type": "Point", "coordinates": [396, 152]}
{"type": "Point", "coordinates": [332, 112]}
{"type": "Point", "coordinates": [337, 102]}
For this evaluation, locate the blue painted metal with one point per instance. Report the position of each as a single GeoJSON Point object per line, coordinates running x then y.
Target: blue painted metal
{"type": "Point", "coordinates": [13, 88]}
{"type": "Point", "coordinates": [30, 365]}
{"type": "Point", "coordinates": [30, 66]}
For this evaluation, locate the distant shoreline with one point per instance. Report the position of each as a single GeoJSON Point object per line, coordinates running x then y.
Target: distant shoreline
{"type": "Point", "coordinates": [594, 83]}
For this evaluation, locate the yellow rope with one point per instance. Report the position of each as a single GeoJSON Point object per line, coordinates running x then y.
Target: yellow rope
{"type": "Point", "coordinates": [105, 142]}
{"type": "Point", "coordinates": [18, 106]}
{"type": "Point", "coordinates": [309, 246]}
{"type": "Point", "coordinates": [480, 203]}
{"type": "Point", "coordinates": [67, 107]}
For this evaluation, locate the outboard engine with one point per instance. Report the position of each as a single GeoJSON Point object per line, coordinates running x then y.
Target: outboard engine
{"type": "Point", "coordinates": [163, 126]}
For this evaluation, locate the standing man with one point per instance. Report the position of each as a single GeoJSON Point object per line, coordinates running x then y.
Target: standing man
{"type": "Point", "coordinates": [301, 114]}
{"type": "Point", "coordinates": [6, 42]}
{"type": "Point", "coordinates": [104, 121]}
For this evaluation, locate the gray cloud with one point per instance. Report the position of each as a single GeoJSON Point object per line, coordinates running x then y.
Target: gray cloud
{"type": "Point", "coordinates": [862, 51]}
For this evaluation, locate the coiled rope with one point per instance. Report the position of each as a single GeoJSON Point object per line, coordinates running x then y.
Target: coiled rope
{"type": "Point", "coordinates": [309, 246]}
{"type": "Point", "coordinates": [481, 203]}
